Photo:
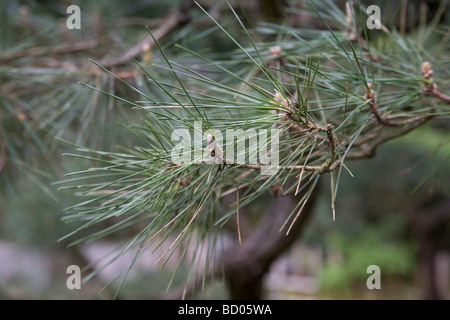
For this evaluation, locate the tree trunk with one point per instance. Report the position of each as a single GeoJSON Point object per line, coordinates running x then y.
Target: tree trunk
{"type": "Point", "coordinates": [428, 224]}
{"type": "Point", "coordinates": [427, 268]}
{"type": "Point", "coordinates": [245, 265]}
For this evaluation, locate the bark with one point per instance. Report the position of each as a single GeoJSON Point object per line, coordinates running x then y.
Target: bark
{"type": "Point", "coordinates": [273, 10]}
{"type": "Point", "coordinates": [245, 265]}
{"type": "Point", "coordinates": [428, 224]}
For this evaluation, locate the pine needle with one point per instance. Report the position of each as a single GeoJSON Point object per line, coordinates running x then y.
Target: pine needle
{"type": "Point", "coordinates": [237, 214]}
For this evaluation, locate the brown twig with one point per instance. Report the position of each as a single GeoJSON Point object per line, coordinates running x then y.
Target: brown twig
{"type": "Point", "coordinates": [370, 96]}
{"type": "Point", "coordinates": [368, 151]}
{"type": "Point", "coordinates": [74, 47]}
{"type": "Point", "coordinates": [430, 88]}
{"type": "Point", "coordinates": [442, 96]}
{"type": "Point", "coordinates": [384, 120]}
{"type": "Point", "coordinates": [2, 155]}
{"type": "Point", "coordinates": [332, 140]}
{"type": "Point", "coordinates": [169, 23]}
{"type": "Point", "coordinates": [297, 167]}
{"type": "Point", "coordinates": [368, 137]}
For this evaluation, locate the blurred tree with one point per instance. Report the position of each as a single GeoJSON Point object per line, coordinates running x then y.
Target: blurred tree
{"type": "Point", "coordinates": [335, 93]}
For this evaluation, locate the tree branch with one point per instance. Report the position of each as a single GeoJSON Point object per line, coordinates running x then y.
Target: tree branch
{"type": "Point", "coordinates": [368, 151]}
{"type": "Point", "coordinates": [245, 264]}
{"type": "Point", "coordinates": [74, 47]}
{"type": "Point", "coordinates": [436, 93]}
{"type": "Point", "coordinates": [430, 88]}
{"type": "Point", "coordinates": [2, 155]}
{"type": "Point", "coordinates": [169, 23]}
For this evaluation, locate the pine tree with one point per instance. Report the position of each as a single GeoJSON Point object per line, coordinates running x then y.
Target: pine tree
{"type": "Point", "coordinates": [300, 105]}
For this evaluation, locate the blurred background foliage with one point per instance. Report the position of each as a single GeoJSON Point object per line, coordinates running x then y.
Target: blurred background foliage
{"type": "Point", "coordinates": [42, 66]}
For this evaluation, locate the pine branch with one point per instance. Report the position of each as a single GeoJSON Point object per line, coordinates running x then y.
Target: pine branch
{"type": "Point", "coordinates": [430, 87]}
{"type": "Point", "coordinates": [442, 96]}
{"type": "Point", "coordinates": [368, 150]}
{"type": "Point", "coordinates": [2, 155]}
{"type": "Point", "coordinates": [169, 23]}
{"type": "Point", "coordinates": [323, 122]}
{"type": "Point", "coordinates": [34, 51]}
{"type": "Point", "coordinates": [245, 263]}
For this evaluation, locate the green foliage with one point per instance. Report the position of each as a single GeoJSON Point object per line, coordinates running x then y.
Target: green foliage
{"type": "Point", "coordinates": [318, 77]}
{"type": "Point", "coordinates": [371, 245]}
{"type": "Point", "coordinates": [40, 67]}
{"type": "Point", "coordinates": [314, 85]}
